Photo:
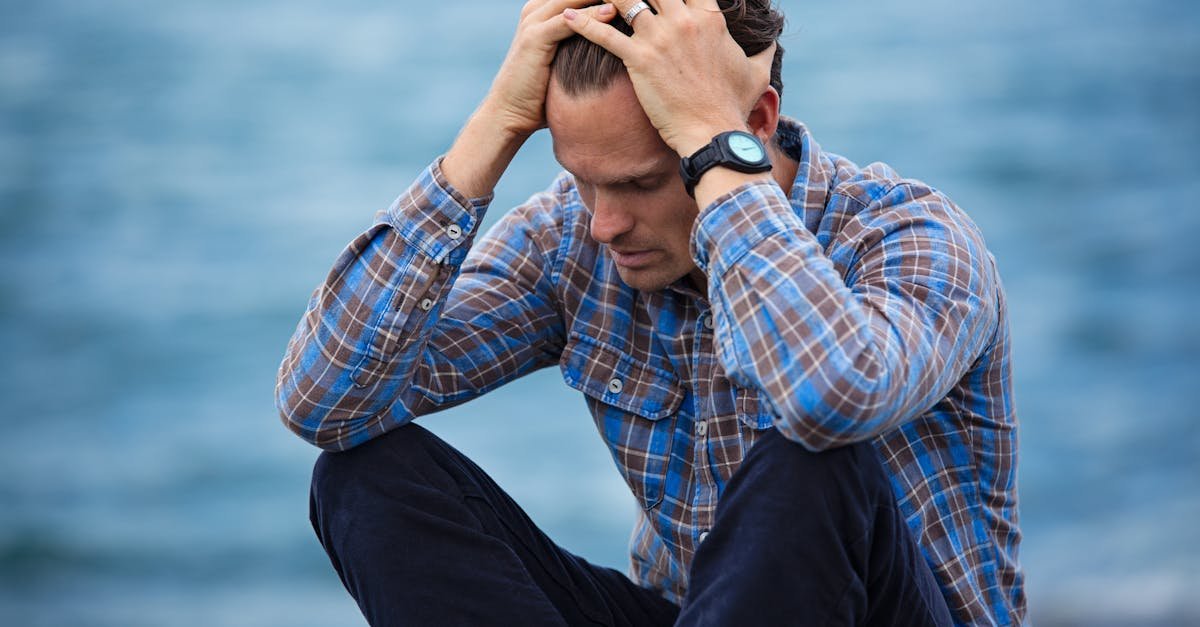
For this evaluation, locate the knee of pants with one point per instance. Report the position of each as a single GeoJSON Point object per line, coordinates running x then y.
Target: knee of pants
{"type": "Point", "coordinates": [398, 456]}
{"type": "Point", "coordinates": [778, 464]}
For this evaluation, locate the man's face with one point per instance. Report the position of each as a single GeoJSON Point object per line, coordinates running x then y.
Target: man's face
{"type": "Point", "coordinates": [629, 179]}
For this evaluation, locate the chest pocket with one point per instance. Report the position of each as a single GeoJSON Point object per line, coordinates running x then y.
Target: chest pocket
{"type": "Point", "coordinates": [634, 405]}
{"type": "Point", "coordinates": [751, 411]}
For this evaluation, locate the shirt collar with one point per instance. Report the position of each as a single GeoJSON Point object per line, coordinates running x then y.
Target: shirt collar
{"type": "Point", "coordinates": [810, 189]}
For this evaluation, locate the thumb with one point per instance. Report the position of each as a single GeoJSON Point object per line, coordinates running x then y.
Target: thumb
{"type": "Point", "coordinates": [762, 61]}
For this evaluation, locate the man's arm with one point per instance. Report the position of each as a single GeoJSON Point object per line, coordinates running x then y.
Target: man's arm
{"type": "Point", "coordinates": [515, 106]}
{"type": "Point", "coordinates": [407, 323]}
{"type": "Point", "coordinates": [839, 363]}
{"type": "Point", "coordinates": [847, 358]}
{"type": "Point", "coordinates": [395, 331]}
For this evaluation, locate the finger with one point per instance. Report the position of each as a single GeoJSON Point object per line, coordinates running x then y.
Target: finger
{"type": "Point", "coordinates": [764, 58]}
{"type": "Point", "coordinates": [623, 7]}
{"type": "Point", "coordinates": [763, 61]}
{"type": "Point", "coordinates": [559, 29]}
{"type": "Point", "coordinates": [553, 8]}
{"type": "Point", "coordinates": [637, 10]}
{"type": "Point", "coordinates": [667, 7]}
{"type": "Point", "coordinates": [707, 5]}
{"type": "Point", "coordinates": [658, 4]}
{"type": "Point", "coordinates": [599, 33]}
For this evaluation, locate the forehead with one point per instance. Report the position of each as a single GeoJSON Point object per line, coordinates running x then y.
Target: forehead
{"type": "Point", "coordinates": [605, 136]}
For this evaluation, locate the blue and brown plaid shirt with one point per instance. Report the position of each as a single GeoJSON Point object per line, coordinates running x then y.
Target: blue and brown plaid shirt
{"type": "Point", "coordinates": [862, 306]}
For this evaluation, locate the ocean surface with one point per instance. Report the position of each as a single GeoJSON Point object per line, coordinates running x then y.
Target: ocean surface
{"type": "Point", "coordinates": [176, 177]}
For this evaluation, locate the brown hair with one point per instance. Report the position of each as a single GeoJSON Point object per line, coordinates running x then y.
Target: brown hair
{"type": "Point", "coordinates": [582, 67]}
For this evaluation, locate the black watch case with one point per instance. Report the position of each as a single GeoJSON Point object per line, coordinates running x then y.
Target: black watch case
{"type": "Point", "coordinates": [736, 150]}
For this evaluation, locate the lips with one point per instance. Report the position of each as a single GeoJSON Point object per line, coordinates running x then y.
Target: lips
{"type": "Point", "coordinates": [633, 258]}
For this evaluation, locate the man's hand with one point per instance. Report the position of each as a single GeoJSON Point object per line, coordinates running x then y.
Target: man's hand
{"type": "Point", "coordinates": [690, 76]}
{"type": "Point", "coordinates": [515, 106]}
{"type": "Point", "coordinates": [518, 93]}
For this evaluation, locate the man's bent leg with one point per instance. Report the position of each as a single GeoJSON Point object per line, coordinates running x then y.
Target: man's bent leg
{"type": "Point", "coordinates": [421, 536]}
{"type": "Point", "coordinates": [804, 538]}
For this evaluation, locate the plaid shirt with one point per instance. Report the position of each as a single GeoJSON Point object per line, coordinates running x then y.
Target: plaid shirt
{"type": "Point", "coordinates": [862, 307]}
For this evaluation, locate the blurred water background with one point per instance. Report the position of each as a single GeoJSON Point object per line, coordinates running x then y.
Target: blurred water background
{"type": "Point", "coordinates": [176, 177]}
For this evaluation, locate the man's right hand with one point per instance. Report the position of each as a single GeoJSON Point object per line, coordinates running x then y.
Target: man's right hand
{"type": "Point", "coordinates": [515, 106]}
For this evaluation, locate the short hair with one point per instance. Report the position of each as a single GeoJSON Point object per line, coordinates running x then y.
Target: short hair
{"type": "Point", "coordinates": [582, 67]}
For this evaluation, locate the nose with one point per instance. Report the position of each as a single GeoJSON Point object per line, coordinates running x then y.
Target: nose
{"type": "Point", "coordinates": [610, 217]}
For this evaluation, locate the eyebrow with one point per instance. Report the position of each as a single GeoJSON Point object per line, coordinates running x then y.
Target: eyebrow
{"type": "Point", "coordinates": [657, 168]}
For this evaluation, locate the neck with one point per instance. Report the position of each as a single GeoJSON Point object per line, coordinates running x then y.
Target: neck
{"type": "Point", "coordinates": [783, 168]}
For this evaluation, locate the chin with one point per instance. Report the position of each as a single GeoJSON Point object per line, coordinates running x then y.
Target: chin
{"type": "Point", "coordinates": [648, 280]}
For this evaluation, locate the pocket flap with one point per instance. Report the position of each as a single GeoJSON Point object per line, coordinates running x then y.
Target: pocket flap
{"type": "Point", "coordinates": [616, 379]}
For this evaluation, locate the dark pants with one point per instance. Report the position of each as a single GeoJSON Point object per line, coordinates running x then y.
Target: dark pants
{"type": "Point", "coordinates": [420, 535]}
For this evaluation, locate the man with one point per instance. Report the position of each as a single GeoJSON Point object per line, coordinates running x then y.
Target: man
{"type": "Point", "coordinates": [801, 367]}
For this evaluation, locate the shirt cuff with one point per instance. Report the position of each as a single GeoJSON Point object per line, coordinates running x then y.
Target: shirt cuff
{"type": "Point", "coordinates": [737, 221]}
{"type": "Point", "coordinates": [436, 218]}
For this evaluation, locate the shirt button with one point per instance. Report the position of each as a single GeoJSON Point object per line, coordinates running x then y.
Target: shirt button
{"type": "Point", "coordinates": [615, 386]}
{"type": "Point", "coordinates": [454, 231]}
{"type": "Point", "coordinates": [701, 428]}
{"type": "Point", "coordinates": [703, 535]}
{"type": "Point", "coordinates": [708, 323]}
{"type": "Point", "coordinates": [426, 304]}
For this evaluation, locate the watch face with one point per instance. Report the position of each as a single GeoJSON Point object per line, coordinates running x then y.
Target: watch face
{"type": "Point", "coordinates": [746, 147]}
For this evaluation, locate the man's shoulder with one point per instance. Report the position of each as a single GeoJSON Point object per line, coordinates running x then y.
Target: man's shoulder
{"type": "Point", "coordinates": [877, 193]}
{"type": "Point", "coordinates": [875, 184]}
{"type": "Point", "coordinates": [837, 189]}
{"type": "Point", "coordinates": [875, 208]}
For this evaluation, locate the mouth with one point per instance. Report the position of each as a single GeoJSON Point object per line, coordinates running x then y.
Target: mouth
{"type": "Point", "coordinates": [633, 258]}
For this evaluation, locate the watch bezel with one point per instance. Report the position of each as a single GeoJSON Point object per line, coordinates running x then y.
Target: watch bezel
{"type": "Point", "coordinates": [729, 152]}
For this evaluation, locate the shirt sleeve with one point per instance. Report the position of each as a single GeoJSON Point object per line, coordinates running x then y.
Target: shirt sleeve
{"type": "Point", "coordinates": [846, 351]}
{"type": "Point", "coordinates": [407, 322]}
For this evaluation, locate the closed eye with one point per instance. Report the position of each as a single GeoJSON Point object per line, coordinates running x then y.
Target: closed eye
{"type": "Point", "coordinates": [649, 183]}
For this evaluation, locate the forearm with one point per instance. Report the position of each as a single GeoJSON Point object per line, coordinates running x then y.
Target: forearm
{"type": "Point", "coordinates": [839, 363]}
{"type": "Point", "coordinates": [482, 152]}
{"type": "Point", "coordinates": [357, 349]}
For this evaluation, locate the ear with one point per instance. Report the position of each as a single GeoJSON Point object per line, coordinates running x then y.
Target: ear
{"type": "Point", "coordinates": [764, 116]}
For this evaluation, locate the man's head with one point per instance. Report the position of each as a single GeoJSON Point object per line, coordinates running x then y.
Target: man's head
{"type": "Point", "coordinates": [581, 66]}
{"type": "Point", "coordinates": [626, 175]}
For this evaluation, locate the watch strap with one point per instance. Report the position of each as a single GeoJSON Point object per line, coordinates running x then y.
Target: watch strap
{"type": "Point", "coordinates": [717, 153]}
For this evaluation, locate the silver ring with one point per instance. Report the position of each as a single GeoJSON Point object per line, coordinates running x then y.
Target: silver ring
{"type": "Point", "coordinates": [634, 10]}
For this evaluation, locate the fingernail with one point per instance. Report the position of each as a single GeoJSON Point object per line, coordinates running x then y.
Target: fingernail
{"type": "Point", "coordinates": [570, 14]}
{"type": "Point", "coordinates": [606, 9]}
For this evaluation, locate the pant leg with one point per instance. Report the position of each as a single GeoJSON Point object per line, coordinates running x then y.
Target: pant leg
{"type": "Point", "coordinates": [804, 538]}
{"type": "Point", "coordinates": [420, 535]}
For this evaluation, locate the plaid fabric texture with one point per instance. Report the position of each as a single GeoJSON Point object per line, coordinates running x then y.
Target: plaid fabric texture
{"type": "Point", "coordinates": [862, 307]}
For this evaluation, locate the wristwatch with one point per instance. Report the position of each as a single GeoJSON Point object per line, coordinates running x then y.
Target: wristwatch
{"type": "Point", "coordinates": [736, 150]}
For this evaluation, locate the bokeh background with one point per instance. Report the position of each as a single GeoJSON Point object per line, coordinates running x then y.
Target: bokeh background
{"type": "Point", "coordinates": [176, 177]}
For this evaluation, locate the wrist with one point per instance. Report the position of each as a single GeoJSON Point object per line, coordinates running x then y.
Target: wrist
{"type": "Point", "coordinates": [507, 127]}
{"type": "Point", "coordinates": [699, 136]}
{"type": "Point", "coordinates": [739, 151]}
{"type": "Point", "coordinates": [480, 154]}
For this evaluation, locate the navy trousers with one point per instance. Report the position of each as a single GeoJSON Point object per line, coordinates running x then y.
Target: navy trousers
{"type": "Point", "coordinates": [420, 535]}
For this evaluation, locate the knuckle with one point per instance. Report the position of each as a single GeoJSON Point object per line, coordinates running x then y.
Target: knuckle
{"type": "Point", "coordinates": [688, 26]}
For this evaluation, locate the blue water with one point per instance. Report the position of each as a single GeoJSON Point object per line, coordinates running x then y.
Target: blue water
{"type": "Point", "coordinates": [175, 178]}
